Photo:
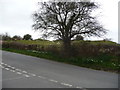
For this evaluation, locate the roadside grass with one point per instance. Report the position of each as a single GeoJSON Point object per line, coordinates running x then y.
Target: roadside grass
{"type": "Point", "coordinates": [103, 62]}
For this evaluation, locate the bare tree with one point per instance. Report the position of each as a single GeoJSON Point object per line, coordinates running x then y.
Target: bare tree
{"type": "Point", "coordinates": [65, 20]}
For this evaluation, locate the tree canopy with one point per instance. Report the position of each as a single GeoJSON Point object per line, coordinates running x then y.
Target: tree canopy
{"type": "Point", "coordinates": [27, 37]}
{"type": "Point", "coordinates": [78, 37]}
{"type": "Point", "coordinates": [16, 37]}
{"type": "Point", "coordinates": [6, 37]}
{"type": "Point", "coordinates": [66, 20]}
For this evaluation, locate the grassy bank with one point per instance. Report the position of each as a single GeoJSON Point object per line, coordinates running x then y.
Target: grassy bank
{"type": "Point", "coordinates": [38, 42]}
{"type": "Point", "coordinates": [103, 62]}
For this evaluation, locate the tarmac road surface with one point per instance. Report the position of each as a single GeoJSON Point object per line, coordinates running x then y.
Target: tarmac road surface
{"type": "Point", "coordinates": [22, 71]}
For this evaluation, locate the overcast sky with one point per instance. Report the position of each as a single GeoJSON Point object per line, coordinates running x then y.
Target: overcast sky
{"type": "Point", "coordinates": [16, 17]}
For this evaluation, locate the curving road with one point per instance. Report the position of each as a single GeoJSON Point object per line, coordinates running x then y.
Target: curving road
{"type": "Point", "coordinates": [21, 71]}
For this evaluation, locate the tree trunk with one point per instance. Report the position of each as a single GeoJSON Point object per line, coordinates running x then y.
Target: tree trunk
{"type": "Point", "coordinates": [67, 47]}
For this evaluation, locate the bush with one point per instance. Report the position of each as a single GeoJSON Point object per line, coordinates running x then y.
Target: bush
{"type": "Point", "coordinates": [53, 48]}
{"type": "Point", "coordinates": [85, 49]}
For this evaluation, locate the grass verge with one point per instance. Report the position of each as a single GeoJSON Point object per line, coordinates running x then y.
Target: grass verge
{"type": "Point", "coordinates": [97, 63]}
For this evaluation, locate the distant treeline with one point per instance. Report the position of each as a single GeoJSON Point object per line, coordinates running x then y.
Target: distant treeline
{"type": "Point", "coordinates": [7, 37]}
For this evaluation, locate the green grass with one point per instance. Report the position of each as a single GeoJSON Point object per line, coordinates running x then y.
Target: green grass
{"type": "Point", "coordinates": [103, 62]}
{"type": "Point", "coordinates": [38, 42]}
{"type": "Point", "coordinates": [96, 42]}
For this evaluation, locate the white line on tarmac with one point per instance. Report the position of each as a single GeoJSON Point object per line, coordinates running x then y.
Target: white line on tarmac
{"type": "Point", "coordinates": [53, 80]}
{"type": "Point", "coordinates": [7, 68]}
{"type": "Point", "coordinates": [66, 84]}
{"type": "Point", "coordinates": [18, 69]}
{"type": "Point", "coordinates": [78, 87]}
{"type": "Point", "coordinates": [5, 64]}
{"type": "Point", "coordinates": [26, 75]}
{"type": "Point", "coordinates": [19, 73]}
{"type": "Point", "coordinates": [12, 70]}
{"type": "Point", "coordinates": [12, 67]}
{"type": "Point", "coordinates": [24, 71]}
{"type": "Point", "coordinates": [2, 63]}
{"type": "Point", "coordinates": [32, 74]}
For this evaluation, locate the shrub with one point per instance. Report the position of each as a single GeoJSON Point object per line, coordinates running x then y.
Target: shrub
{"type": "Point", "coordinates": [53, 48]}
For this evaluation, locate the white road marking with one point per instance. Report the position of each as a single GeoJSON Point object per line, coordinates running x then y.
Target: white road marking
{"type": "Point", "coordinates": [19, 73]}
{"type": "Point", "coordinates": [53, 80]}
{"type": "Point", "coordinates": [18, 69]}
{"type": "Point", "coordinates": [78, 87]}
{"type": "Point", "coordinates": [2, 63]}
{"type": "Point", "coordinates": [26, 75]}
{"type": "Point", "coordinates": [66, 84]}
{"type": "Point", "coordinates": [24, 71]}
{"type": "Point", "coordinates": [7, 68]}
{"type": "Point", "coordinates": [12, 67]}
{"type": "Point", "coordinates": [32, 74]}
{"type": "Point", "coordinates": [12, 70]}
{"type": "Point", "coordinates": [5, 64]}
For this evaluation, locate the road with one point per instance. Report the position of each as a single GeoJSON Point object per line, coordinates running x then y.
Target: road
{"type": "Point", "coordinates": [22, 71]}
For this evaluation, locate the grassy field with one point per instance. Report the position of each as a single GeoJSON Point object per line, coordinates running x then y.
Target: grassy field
{"type": "Point", "coordinates": [105, 62]}
{"type": "Point", "coordinates": [37, 42]}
